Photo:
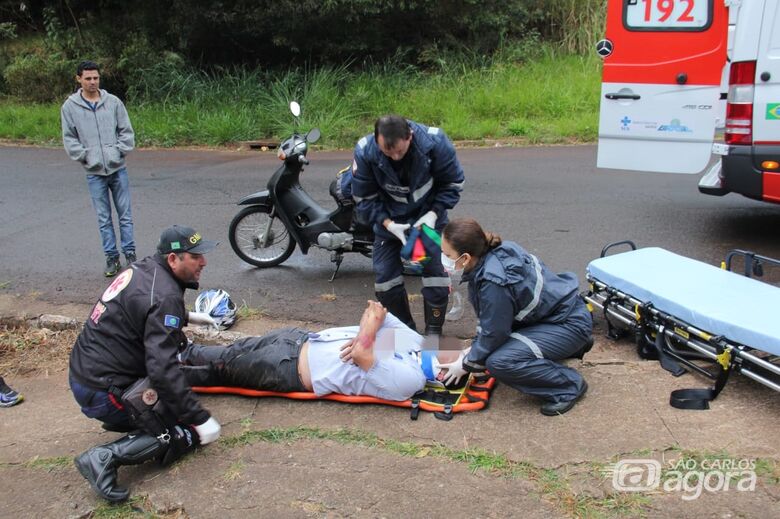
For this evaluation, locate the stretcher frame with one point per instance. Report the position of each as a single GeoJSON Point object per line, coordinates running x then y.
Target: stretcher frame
{"type": "Point", "coordinates": [474, 395]}
{"type": "Point", "coordinates": [663, 334]}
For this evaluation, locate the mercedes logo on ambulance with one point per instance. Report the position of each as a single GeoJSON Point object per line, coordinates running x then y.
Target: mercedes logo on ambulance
{"type": "Point", "coordinates": [604, 48]}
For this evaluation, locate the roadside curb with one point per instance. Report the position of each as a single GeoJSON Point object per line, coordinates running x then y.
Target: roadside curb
{"type": "Point", "coordinates": [63, 322]}
{"type": "Point", "coordinates": [48, 321]}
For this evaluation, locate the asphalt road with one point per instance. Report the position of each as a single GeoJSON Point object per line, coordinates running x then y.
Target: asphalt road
{"type": "Point", "coordinates": [552, 200]}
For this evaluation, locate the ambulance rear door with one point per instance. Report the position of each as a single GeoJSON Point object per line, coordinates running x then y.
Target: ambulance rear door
{"type": "Point", "coordinates": [766, 104]}
{"type": "Point", "coordinates": [663, 63]}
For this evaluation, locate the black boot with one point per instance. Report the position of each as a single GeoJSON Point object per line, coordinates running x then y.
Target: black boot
{"type": "Point", "coordinates": [434, 318]}
{"type": "Point", "coordinates": [98, 465]}
{"type": "Point", "coordinates": [397, 303]}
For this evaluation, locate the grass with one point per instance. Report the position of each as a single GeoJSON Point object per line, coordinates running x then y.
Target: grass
{"type": "Point", "coordinates": [135, 507]}
{"type": "Point", "coordinates": [50, 464]}
{"type": "Point", "coordinates": [552, 484]}
{"type": "Point", "coordinates": [26, 351]}
{"type": "Point", "coordinates": [248, 312]}
{"type": "Point", "coordinates": [557, 486]}
{"type": "Point", "coordinates": [234, 471]}
{"type": "Point", "coordinates": [553, 98]}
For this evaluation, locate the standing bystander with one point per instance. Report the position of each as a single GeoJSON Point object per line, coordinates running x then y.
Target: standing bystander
{"type": "Point", "coordinates": [96, 132]}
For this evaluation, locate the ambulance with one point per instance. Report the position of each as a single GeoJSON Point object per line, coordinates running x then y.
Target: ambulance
{"type": "Point", "coordinates": [693, 86]}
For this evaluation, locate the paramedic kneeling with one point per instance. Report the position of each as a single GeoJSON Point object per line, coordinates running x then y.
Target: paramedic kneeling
{"type": "Point", "coordinates": [379, 358]}
{"type": "Point", "coordinates": [133, 332]}
{"type": "Point", "coordinates": [529, 317]}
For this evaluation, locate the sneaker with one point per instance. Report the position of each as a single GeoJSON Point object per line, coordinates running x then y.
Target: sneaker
{"type": "Point", "coordinates": [112, 266]}
{"type": "Point", "coordinates": [8, 396]}
{"type": "Point", "coordinates": [130, 258]}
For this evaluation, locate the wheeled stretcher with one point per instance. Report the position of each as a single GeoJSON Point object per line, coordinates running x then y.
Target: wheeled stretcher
{"type": "Point", "coordinates": [687, 313]}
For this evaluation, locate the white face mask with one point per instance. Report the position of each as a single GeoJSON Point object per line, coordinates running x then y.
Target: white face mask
{"type": "Point", "coordinates": [449, 265]}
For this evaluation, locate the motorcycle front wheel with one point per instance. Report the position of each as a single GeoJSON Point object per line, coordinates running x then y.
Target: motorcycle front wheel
{"type": "Point", "coordinates": [260, 239]}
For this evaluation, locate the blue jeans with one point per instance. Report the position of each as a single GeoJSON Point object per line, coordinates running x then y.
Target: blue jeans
{"type": "Point", "coordinates": [99, 405]}
{"type": "Point", "coordinates": [119, 188]}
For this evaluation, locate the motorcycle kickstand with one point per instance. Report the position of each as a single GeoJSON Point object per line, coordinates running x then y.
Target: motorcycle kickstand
{"type": "Point", "coordinates": [337, 258]}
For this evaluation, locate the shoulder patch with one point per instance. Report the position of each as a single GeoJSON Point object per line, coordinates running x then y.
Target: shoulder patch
{"type": "Point", "coordinates": [119, 284]}
{"type": "Point", "coordinates": [171, 321]}
{"type": "Point", "coordinates": [433, 130]}
{"type": "Point", "coordinates": [97, 311]}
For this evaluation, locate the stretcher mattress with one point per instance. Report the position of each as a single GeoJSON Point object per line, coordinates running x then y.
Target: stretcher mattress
{"type": "Point", "coordinates": [716, 301]}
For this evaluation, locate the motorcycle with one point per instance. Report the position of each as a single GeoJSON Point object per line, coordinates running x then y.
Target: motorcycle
{"type": "Point", "coordinates": [265, 232]}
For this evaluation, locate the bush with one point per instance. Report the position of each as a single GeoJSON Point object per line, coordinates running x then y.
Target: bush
{"type": "Point", "coordinates": [40, 78]}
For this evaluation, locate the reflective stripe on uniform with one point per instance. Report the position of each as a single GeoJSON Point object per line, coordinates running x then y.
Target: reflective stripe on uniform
{"type": "Point", "coordinates": [387, 285]}
{"type": "Point", "coordinates": [475, 367]}
{"type": "Point", "coordinates": [537, 291]}
{"type": "Point", "coordinates": [398, 199]}
{"type": "Point", "coordinates": [422, 190]}
{"type": "Point", "coordinates": [436, 282]}
{"type": "Point", "coordinates": [361, 198]}
{"type": "Point", "coordinates": [456, 185]}
{"type": "Point", "coordinates": [528, 342]}
{"type": "Point", "coordinates": [362, 142]}
{"type": "Point", "coordinates": [433, 130]}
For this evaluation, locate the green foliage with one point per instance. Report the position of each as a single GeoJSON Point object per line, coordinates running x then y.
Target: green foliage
{"type": "Point", "coordinates": [7, 30]}
{"type": "Point", "coordinates": [35, 123]}
{"type": "Point", "coordinates": [575, 25]}
{"type": "Point", "coordinates": [40, 77]}
{"type": "Point", "coordinates": [550, 100]}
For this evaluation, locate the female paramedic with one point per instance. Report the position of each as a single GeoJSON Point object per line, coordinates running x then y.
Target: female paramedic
{"type": "Point", "coordinates": [529, 317]}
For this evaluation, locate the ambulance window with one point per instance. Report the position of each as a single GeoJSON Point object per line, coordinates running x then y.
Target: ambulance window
{"type": "Point", "coordinates": [667, 15]}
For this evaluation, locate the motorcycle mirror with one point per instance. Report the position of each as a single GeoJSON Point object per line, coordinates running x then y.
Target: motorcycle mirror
{"type": "Point", "coordinates": [313, 135]}
{"type": "Point", "coordinates": [295, 108]}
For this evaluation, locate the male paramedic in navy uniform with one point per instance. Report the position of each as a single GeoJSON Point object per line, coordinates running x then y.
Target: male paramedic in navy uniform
{"type": "Point", "coordinates": [405, 175]}
{"type": "Point", "coordinates": [135, 331]}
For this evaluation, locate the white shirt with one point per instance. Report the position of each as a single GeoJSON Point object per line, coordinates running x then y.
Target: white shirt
{"type": "Point", "coordinates": [396, 374]}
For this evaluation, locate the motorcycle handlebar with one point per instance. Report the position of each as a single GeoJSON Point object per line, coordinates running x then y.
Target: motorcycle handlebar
{"type": "Point", "coordinates": [303, 160]}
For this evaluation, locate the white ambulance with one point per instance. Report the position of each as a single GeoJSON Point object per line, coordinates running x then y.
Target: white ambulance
{"type": "Point", "coordinates": [675, 71]}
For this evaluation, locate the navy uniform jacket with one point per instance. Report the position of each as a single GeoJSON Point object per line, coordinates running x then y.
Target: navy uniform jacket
{"type": "Point", "coordinates": [135, 330]}
{"type": "Point", "coordinates": [434, 182]}
{"type": "Point", "coordinates": [510, 289]}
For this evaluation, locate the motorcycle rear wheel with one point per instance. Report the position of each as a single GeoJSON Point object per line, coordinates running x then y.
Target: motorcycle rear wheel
{"type": "Point", "coordinates": [246, 236]}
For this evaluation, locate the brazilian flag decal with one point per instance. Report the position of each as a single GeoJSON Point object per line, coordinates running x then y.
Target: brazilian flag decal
{"type": "Point", "coordinates": [773, 111]}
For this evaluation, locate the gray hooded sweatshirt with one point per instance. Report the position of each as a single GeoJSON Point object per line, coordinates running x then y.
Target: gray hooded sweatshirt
{"type": "Point", "coordinates": [99, 139]}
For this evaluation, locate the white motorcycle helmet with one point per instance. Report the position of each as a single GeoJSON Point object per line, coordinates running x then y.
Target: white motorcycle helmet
{"type": "Point", "coordinates": [218, 305]}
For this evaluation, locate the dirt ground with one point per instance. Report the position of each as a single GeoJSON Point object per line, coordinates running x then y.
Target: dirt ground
{"type": "Point", "coordinates": [285, 458]}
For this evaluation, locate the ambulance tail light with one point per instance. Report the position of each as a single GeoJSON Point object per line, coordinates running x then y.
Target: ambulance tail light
{"type": "Point", "coordinates": [739, 107]}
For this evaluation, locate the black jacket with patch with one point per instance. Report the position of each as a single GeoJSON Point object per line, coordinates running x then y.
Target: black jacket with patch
{"type": "Point", "coordinates": [135, 330]}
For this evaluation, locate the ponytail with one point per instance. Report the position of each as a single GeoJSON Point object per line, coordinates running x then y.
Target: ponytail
{"type": "Point", "coordinates": [466, 236]}
{"type": "Point", "coordinates": [492, 240]}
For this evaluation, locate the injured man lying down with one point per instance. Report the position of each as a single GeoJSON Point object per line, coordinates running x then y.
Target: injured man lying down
{"type": "Point", "coordinates": [381, 357]}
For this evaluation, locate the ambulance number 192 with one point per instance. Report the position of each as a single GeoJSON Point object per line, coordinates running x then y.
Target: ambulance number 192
{"type": "Point", "coordinates": [667, 14]}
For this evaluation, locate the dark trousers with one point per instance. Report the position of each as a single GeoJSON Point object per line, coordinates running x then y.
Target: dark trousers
{"type": "Point", "coordinates": [100, 405]}
{"type": "Point", "coordinates": [388, 270]}
{"type": "Point", "coordinates": [527, 361]}
{"type": "Point", "coordinates": [268, 363]}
